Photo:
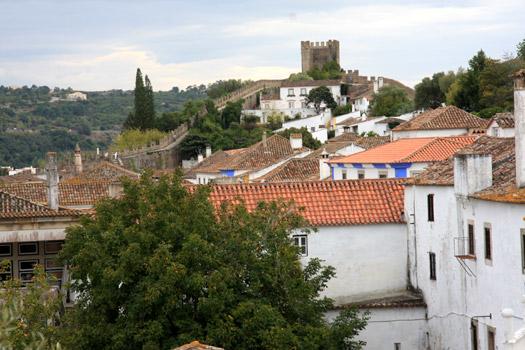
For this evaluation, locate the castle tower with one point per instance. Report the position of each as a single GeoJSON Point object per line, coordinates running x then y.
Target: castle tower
{"type": "Point", "coordinates": [78, 160]}
{"type": "Point", "coordinates": [315, 55]}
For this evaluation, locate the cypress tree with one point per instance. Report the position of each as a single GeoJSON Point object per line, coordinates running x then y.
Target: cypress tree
{"type": "Point", "coordinates": [135, 119]}
{"type": "Point", "coordinates": [149, 107]}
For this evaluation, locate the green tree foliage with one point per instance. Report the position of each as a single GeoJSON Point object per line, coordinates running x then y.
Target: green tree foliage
{"type": "Point", "coordinates": [521, 50]}
{"type": "Point", "coordinates": [330, 70]}
{"type": "Point", "coordinates": [308, 139]}
{"type": "Point", "coordinates": [30, 316]}
{"type": "Point", "coordinates": [429, 93]}
{"type": "Point", "coordinates": [299, 76]}
{"type": "Point", "coordinates": [340, 110]}
{"type": "Point", "coordinates": [391, 101]}
{"type": "Point", "coordinates": [320, 95]}
{"type": "Point", "coordinates": [224, 87]}
{"type": "Point", "coordinates": [275, 121]}
{"type": "Point", "coordinates": [231, 113]}
{"type": "Point", "coordinates": [160, 267]}
{"type": "Point", "coordinates": [143, 115]}
{"type": "Point", "coordinates": [132, 139]}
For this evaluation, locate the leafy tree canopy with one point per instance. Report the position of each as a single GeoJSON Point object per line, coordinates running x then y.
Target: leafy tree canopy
{"type": "Point", "coordinates": [160, 267]}
{"type": "Point", "coordinates": [391, 101]}
{"type": "Point", "coordinates": [330, 70]}
{"type": "Point", "coordinates": [308, 139]}
{"type": "Point", "coordinates": [521, 50]}
{"type": "Point", "coordinates": [299, 76]}
{"type": "Point", "coordinates": [320, 95]}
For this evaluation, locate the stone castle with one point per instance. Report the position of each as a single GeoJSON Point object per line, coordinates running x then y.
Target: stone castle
{"type": "Point", "coordinates": [315, 54]}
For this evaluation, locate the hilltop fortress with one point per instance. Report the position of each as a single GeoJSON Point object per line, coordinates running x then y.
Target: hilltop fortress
{"type": "Point", "coordinates": [315, 55]}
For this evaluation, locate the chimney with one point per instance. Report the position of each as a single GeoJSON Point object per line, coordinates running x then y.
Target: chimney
{"type": "Point", "coordinates": [296, 141]}
{"type": "Point", "coordinates": [472, 173]}
{"type": "Point", "coordinates": [52, 180]}
{"type": "Point", "coordinates": [264, 139]}
{"type": "Point", "coordinates": [519, 120]}
{"type": "Point", "coordinates": [200, 158]}
{"type": "Point", "coordinates": [78, 160]}
{"type": "Point", "coordinates": [208, 151]}
{"type": "Point", "coordinates": [324, 168]}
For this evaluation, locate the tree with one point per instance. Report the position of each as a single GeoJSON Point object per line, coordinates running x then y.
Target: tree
{"type": "Point", "coordinates": [320, 95]}
{"type": "Point", "coordinates": [308, 139]}
{"type": "Point", "coordinates": [231, 113]}
{"type": "Point", "coordinates": [390, 101]}
{"type": "Point", "coordinates": [330, 70]}
{"type": "Point", "coordinates": [143, 115]}
{"type": "Point", "coordinates": [428, 92]}
{"type": "Point", "coordinates": [30, 316]}
{"type": "Point", "coordinates": [161, 266]}
{"type": "Point", "coordinates": [521, 50]}
{"type": "Point", "coordinates": [299, 76]}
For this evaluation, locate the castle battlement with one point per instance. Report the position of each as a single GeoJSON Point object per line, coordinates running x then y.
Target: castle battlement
{"type": "Point", "coordinates": [317, 54]}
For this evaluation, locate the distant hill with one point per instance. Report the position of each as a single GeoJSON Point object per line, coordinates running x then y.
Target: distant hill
{"type": "Point", "coordinates": [37, 119]}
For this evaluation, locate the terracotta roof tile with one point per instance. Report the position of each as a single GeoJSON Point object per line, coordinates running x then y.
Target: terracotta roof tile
{"type": "Point", "coordinates": [78, 193]}
{"type": "Point", "coordinates": [196, 345]}
{"type": "Point", "coordinates": [105, 171]}
{"type": "Point", "coordinates": [504, 120]}
{"type": "Point", "coordinates": [325, 203]}
{"type": "Point", "coordinates": [402, 300]}
{"type": "Point", "coordinates": [296, 169]}
{"type": "Point", "coordinates": [449, 117]}
{"type": "Point", "coordinates": [423, 149]}
{"type": "Point", "coordinates": [361, 141]}
{"type": "Point", "coordinates": [14, 207]}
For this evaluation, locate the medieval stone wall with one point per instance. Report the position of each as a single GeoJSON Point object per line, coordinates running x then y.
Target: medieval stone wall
{"type": "Point", "coordinates": [315, 54]}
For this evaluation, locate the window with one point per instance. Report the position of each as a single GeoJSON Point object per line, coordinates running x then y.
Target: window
{"type": "Point", "coordinates": [474, 334]}
{"type": "Point", "coordinates": [312, 129]}
{"type": "Point", "coordinates": [488, 242]}
{"type": "Point", "coordinates": [303, 91]}
{"type": "Point", "coordinates": [53, 268]}
{"type": "Point", "coordinates": [26, 268]}
{"type": "Point", "coordinates": [383, 174]}
{"type": "Point", "coordinates": [291, 104]}
{"type": "Point", "coordinates": [291, 92]}
{"type": "Point", "coordinates": [491, 338]}
{"type": "Point", "coordinates": [301, 242]}
{"type": "Point", "coordinates": [397, 346]}
{"type": "Point", "coordinates": [360, 174]}
{"type": "Point", "coordinates": [6, 270]}
{"type": "Point", "coordinates": [343, 174]}
{"type": "Point", "coordinates": [53, 247]}
{"type": "Point", "coordinates": [523, 250]}
{"type": "Point", "coordinates": [495, 131]}
{"type": "Point", "coordinates": [28, 248]}
{"type": "Point", "coordinates": [303, 104]}
{"type": "Point", "coordinates": [471, 245]}
{"type": "Point", "coordinates": [432, 260]}
{"type": "Point", "coordinates": [266, 106]}
{"type": "Point", "coordinates": [6, 249]}
{"type": "Point", "coordinates": [430, 207]}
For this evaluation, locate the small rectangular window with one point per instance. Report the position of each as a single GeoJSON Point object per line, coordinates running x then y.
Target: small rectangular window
{"type": "Point", "coordinates": [430, 207]}
{"type": "Point", "coordinates": [301, 242]}
{"type": "Point", "coordinates": [312, 129]}
{"type": "Point", "coordinates": [6, 249]}
{"type": "Point", "coordinates": [28, 248]}
{"type": "Point", "coordinates": [383, 174]}
{"type": "Point", "coordinates": [397, 346]}
{"type": "Point", "coordinates": [303, 91]}
{"type": "Point", "coordinates": [474, 334]}
{"type": "Point", "coordinates": [471, 243]}
{"type": "Point", "coordinates": [523, 250]}
{"type": "Point", "coordinates": [26, 268]}
{"type": "Point", "coordinates": [55, 269]}
{"type": "Point", "coordinates": [432, 260]}
{"type": "Point", "coordinates": [360, 174]}
{"type": "Point", "coordinates": [303, 104]}
{"type": "Point", "coordinates": [291, 104]}
{"type": "Point", "coordinates": [290, 92]}
{"type": "Point", "coordinates": [343, 174]}
{"type": "Point", "coordinates": [488, 243]}
{"type": "Point", "coordinates": [491, 338]}
{"type": "Point", "coordinates": [53, 247]}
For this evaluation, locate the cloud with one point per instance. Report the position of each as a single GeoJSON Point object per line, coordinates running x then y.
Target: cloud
{"type": "Point", "coordinates": [116, 69]}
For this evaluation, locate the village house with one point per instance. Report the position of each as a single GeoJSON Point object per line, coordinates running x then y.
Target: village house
{"type": "Point", "coordinates": [398, 159]}
{"type": "Point", "coordinates": [248, 164]}
{"type": "Point", "coordinates": [466, 238]}
{"type": "Point", "coordinates": [440, 122]}
{"type": "Point", "coordinates": [351, 217]}
{"type": "Point", "coordinates": [501, 125]}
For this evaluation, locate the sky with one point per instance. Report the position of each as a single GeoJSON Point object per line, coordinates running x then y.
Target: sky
{"type": "Point", "coordinates": [98, 45]}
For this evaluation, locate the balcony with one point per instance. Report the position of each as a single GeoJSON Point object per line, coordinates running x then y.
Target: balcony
{"type": "Point", "coordinates": [464, 248]}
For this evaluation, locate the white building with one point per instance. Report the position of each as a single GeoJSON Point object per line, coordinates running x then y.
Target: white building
{"type": "Point", "coordinates": [361, 232]}
{"type": "Point", "coordinates": [467, 241]}
{"type": "Point", "coordinates": [501, 125]}
{"type": "Point", "coordinates": [398, 159]}
{"type": "Point", "coordinates": [76, 96]}
{"type": "Point", "coordinates": [439, 122]}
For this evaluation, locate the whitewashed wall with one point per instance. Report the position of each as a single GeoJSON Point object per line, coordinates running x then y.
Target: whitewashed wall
{"type": "Point", "coordinates": [427, 133]}
{"type": "Point", "coordinates": [371, 172]}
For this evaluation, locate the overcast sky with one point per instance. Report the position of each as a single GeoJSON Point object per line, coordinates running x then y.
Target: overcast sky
{"type": "Point", "coordinates": [97, 45]}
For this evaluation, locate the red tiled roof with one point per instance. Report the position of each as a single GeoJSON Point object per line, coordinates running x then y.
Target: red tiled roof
{"type": "Point", "coordinates": [196, 345]}
{"type": "Point", "coordinates": [308, 83]}
{"type": "Point", "coordinates": [14, 207]}
{"type": "Point", "coordinates": [504, 120]}
{"type": "Point", "coordinates": [105, 171]}
{"type": "Point", "coordinates": [77, 193]}
{"type": "Point", "coordinates": [413, 150]}
{"type": "Point", "coordinates": [296, 169]}
{"type": "Point", "coordinates": [361, 141]}
{"type": "Point", "coordinates": [325, 203]}
{"type": "Point", "coordinates": [403, 300]}
{"type": "Point", "coordinates": [449, 117]}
